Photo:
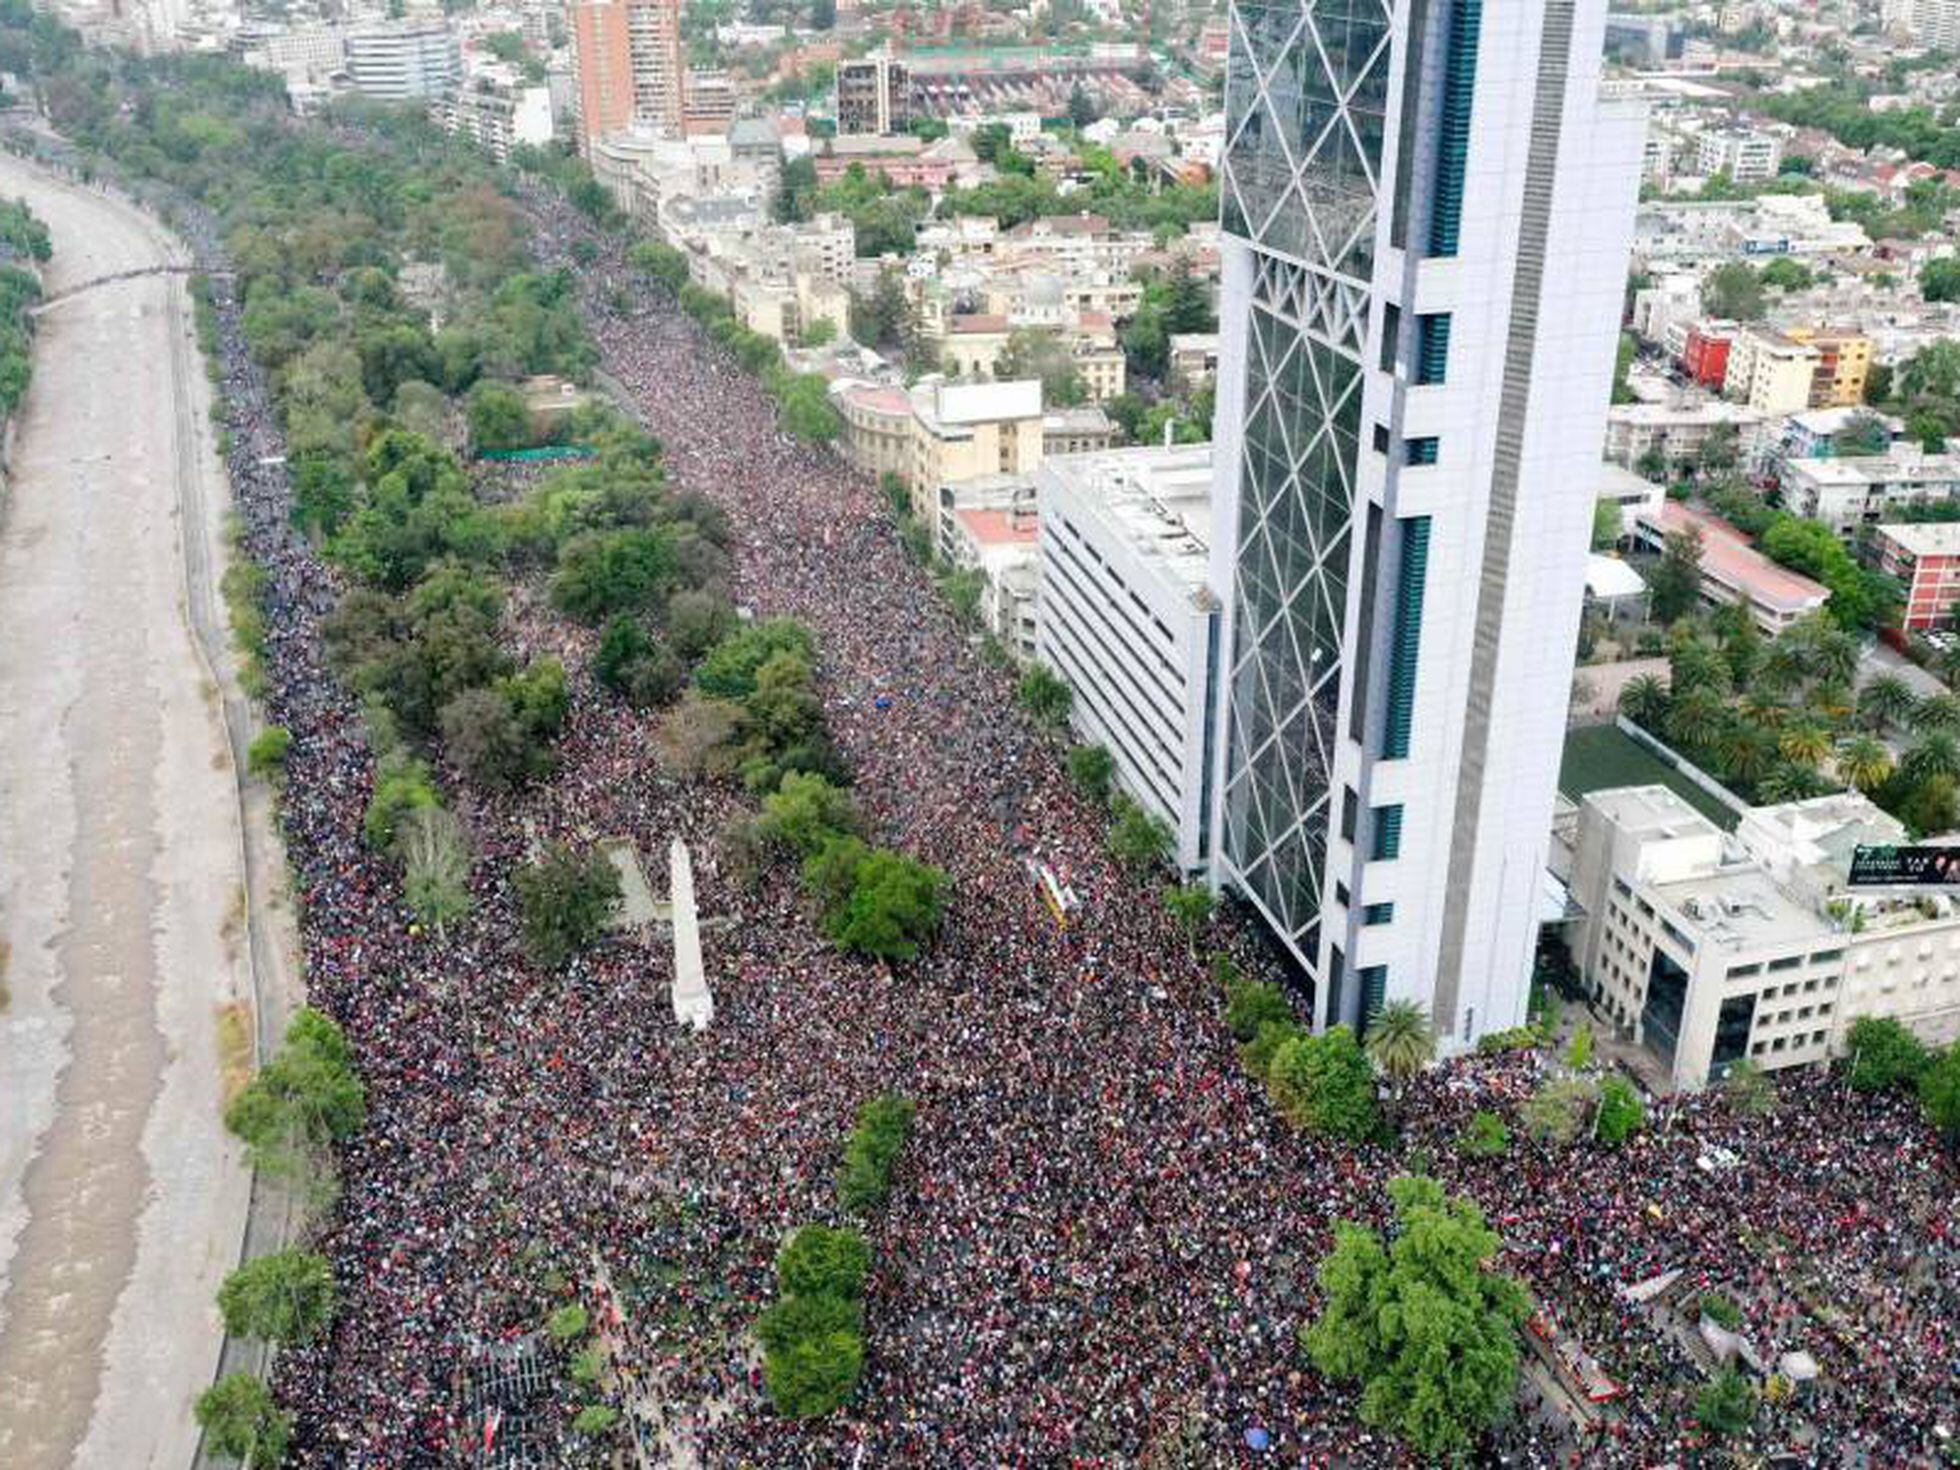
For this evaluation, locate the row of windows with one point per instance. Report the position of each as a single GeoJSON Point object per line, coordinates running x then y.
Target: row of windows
{"type": "Point", "coordinates": [1788, 1043]}
{"type": "Point", "coordinates": [1143, 608]}
{"type": "Point", "coordinates": [1799, 1013]}
{"type": "Point", "coordinates": [1111, 706]}
{"type": "Point", "coordinates": [1165, 695]}
{"type": "Point", "coordinates": [1787, 962]}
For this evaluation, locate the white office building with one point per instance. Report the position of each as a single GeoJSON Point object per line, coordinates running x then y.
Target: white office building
{"type": "Point", "coordinates": [404, 61]}
{"type": "Point", "coordinates": [1746, 156]}
{"type": "Point", "coordinates": [1427, 213]}
{"type": "Point", "coordinates": [1128, 618]}
{"type": "Point", "coordinates": [1710, 948]}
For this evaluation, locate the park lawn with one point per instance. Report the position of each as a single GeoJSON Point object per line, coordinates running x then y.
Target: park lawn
{"type": "Point", "coordinates": [1601, 756]}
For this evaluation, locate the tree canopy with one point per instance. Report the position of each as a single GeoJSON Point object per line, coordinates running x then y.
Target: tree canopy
{"type": "Point", "coordinates": [1420, 1320]}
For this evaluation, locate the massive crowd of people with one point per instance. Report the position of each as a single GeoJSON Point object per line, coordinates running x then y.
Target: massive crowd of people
{"type": "Point", "coordinates": [1102, 1243]}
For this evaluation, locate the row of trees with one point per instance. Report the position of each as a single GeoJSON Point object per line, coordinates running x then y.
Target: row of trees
{"type": "Point", "coordinates": [812, 1335]}
{"type": "Point", "coordinates": [300, 1103]}
{"type": "Point", "coordinates": [802, 399]}
{"type": "Point", "coordinates": [1779, 721]}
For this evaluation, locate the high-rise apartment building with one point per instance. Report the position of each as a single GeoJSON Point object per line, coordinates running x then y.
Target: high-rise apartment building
{"type": "Point", "coordinates": [1936, 24]}
{"type": "Point", "coordinates": [874, 95]}
{"type": "Point", "coordinates": [630, 66]}
{"type": "Point", "coordinates": [1427, 210]}
{"type": "Point", "coordinates": [405, 61]}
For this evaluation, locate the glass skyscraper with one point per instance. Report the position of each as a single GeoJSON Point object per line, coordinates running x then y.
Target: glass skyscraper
{"type": "Point", "coordinates": [1427, 208]}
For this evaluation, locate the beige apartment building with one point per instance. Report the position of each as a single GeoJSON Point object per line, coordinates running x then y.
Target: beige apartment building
{"type": "Point", "coordinates": [938, 435]}
{"type": "Point", "coordinates": [1771, 372]}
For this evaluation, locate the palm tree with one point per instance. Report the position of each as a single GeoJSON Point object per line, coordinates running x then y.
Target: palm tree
{"type": "Point", "coordinates": [1644, 701]}
{"type": "Point", "coordinates": [1697, 664]}
{"type": "Point", "coordinates": [1805, 744]}
{"type": "Point", "coordinates": [1832, 701]}
{"type": "Point", "coordinates": [1787, 664]}
{"type": "Point", "coordinates": [1790, 783]}
{"type": "Point", "coordinates": [1400, 1041]}
{"type": "Point", "coordinates": [1764, 706]}
{"type": "Point", "coordinates": [1696, 718]}
{"type": "Point", "coordinates": [1833, 655]}
{"type": "Point", "coordinates": [1937, 754]}
{"type": "Point", "coordinates": [1939, 712]}
{"type": "Point", "coordinates": [1746, 751]}
{"type": "Point", "coordinates": [1886, 702]}
{"type": "Point", "coordinates": [1865, 762]}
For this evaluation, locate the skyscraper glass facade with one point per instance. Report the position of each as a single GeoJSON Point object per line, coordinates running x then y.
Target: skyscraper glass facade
{"type": "Point", "coordinates": [1301, 184]}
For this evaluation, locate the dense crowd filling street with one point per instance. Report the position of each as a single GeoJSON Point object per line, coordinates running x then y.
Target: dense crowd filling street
{"type": "Point", "coordinates": [1102, 1242]}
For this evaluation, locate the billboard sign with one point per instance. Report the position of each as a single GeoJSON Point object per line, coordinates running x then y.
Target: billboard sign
{"type": "Point", "coordinates": [1905, 867]}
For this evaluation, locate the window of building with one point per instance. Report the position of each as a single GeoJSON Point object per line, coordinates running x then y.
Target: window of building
{"type": "Point", "coordinates": [1381, 438]}
{"type": "Point", "coordinates": [1453, 141]}
{"type": "Point", "coordinates": [1388, 833]}
{"type": "Point", "coordinates": [1408, 638]}
{"type": "Point", "coordinates": [1422, 451]}
{"type": "Point", "coordinates": [1432, 348]}
{"type": "Point", "coordinates": [1350, 813]}
{"type": "Point", "coordinates": [1340, 893]}
{"type": "Point", "coordinates": [1378, 913]}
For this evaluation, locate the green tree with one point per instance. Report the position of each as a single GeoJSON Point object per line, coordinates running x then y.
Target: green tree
{"type": "Point", "coordinates": [1939, 1092]}
{"type": "Point", "coordinates": [814, 1376]}
{"type": "Point", "coordinates": [435, 859]}
{"type": "Point", "coordinates": [498, 418]}
{"type": "Point", "coordinates": [1939, 280]}
{"type": "Point", "coordinates": [894, 904]}
{"type": "Point", "coordinates": [1138, 839]}
{"type": "Point", "coordinates": [1191, 905]}
{"type": "Point", "coordinates": [284, 1297]}
{"type": "Point", "coordinates": [1749, 1087]}
{"type": "Point", "coordinates": [1323, 1084]}
{"type": "Point", "coordinates": [1485, 1137]}
{"type": "Point", "coordinates": [241, 1422]}
{"type": "Point", "coordinates": [1401, 1042]}
{"type": "Point", "coordinates": [306, 1097]}
{"type": "Point", "coordinates": [1643, 699]}
{"type": "Point", "coordinates": [1555, 1113]}
{"type": "Point", "coordinates": [1037, 353]}
{"type": "Point", "coordinates": [1252, 1004]}
{"type": "Point", "coordinates": [1620, 1112]}
{"type": "Point", "coordinates": [871, 1152]}
{"type": "Point", "coordinates": [1864, 762]}
{"type": "Point", "coordinates": [1045, 696]}
{"type": "Point", "coordinates": [1675, 581]}
{"type": "Point", "coordinates": [819, 1261]}
{"type": "Point", "coordinates": [730, 670]}
{"type": "Point", "coordinates": [1421, 1321]}
{"type": "Point", "coordinates": [1884, 1055]}
{"type": "Point", "coordinates": [805, 812]}
{"type": "Point", "coordinates": [1726, 1407]}
{"type": "Point", "coordinates": [1886, 703]}
{"type": "Point", "coordinates": [266, 757]}
{"type": "Point", "coordinates": [565, 901]}
{"type": "Point", "coordinates": [1092, 769]}
{"type": "Point", "coordinates": [1734, 291]}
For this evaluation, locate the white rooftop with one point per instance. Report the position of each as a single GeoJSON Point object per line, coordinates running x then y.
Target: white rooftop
{"type": "Point", "coordinates": [1925, 538]}
{"type": "Point", "coordinates": [1157, 499]}
{"type": "Point", "coordinates": [1607, 578]}
{"type": "Point", "coordinates": [979, 403]}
